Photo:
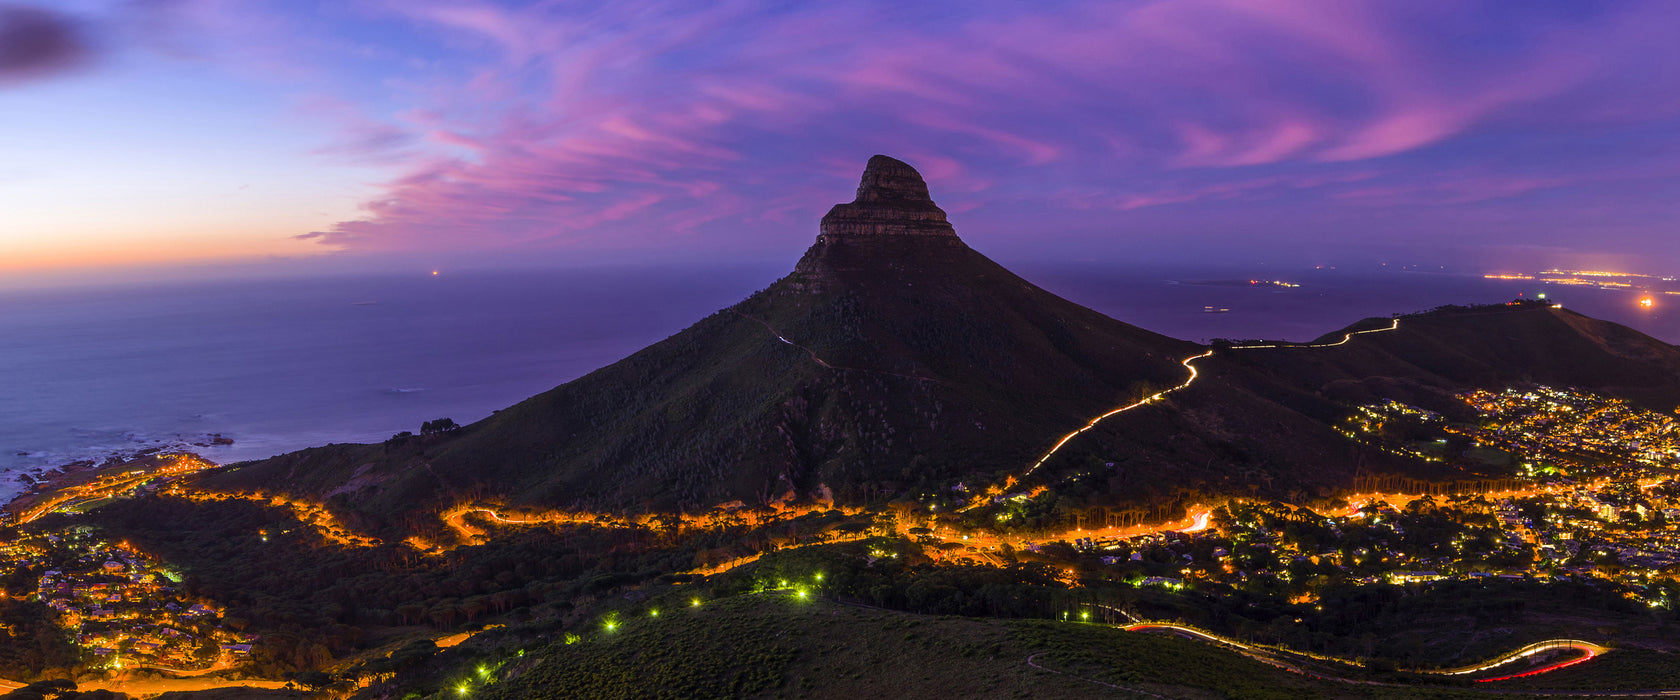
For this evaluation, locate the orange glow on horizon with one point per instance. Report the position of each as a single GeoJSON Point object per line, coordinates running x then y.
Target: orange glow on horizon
{"type": "Point", "coordinates": [135, 252]}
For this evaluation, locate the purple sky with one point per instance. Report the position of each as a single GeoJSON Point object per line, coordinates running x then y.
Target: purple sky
{"type": "Point", "coordinates": [1504, 135]}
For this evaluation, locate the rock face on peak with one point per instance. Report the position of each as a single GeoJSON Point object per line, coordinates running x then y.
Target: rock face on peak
{"type": "Point", "coordinates": [892, 228]}
{"type": "Point", "coordinates": [892, 200]}
{"type": "Point", "coordinates": [887, 178]}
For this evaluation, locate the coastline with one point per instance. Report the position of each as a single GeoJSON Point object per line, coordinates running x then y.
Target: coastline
{"type": "Point", "coordinates": [17, 481]}
{"type": "Point", "coordinates": [82, 482]}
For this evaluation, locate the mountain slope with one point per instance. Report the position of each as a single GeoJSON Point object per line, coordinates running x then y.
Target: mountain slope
{"type": "Point", "coordinates": [893, 355]}
{"type": "Point", "coordinates": [896, 360]}
{"type": "Point", "coordinates": [1260, 420]}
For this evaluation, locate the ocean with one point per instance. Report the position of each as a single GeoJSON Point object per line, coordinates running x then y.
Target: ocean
{"type": "Point", "coordinates": [281, 364]}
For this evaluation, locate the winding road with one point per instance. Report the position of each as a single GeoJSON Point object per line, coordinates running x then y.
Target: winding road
{"type": "Point", "coordinates": [1279, 657]}
{"type": "Point", "coordinates": [1188, 364]}
{"type": "Point", "coordinates": [1269, 656]}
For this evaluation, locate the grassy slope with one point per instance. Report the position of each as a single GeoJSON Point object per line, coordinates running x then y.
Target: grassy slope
{"type": "Point", "coordinates": [772, 645]}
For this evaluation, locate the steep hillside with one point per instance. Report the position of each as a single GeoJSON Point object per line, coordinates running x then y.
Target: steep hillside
{"type": "Point", "coordinates": [896, 360]}
{"type": "Point", "coordinates": [893, 356]}
{"type": "Point", "coordinates": [1259, 420]}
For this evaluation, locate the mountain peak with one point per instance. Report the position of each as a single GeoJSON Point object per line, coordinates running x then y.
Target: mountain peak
{"type": "Point", "coordinates": [892, 199]}
{"type": "Point", "coordinates": [888, 178]}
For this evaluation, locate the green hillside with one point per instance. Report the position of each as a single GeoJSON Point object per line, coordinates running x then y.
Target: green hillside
{"type": "Point", "coordinates": [777, 644]}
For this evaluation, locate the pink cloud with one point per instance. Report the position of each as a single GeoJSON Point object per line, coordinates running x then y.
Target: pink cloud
{"type": "Point", "coordinates": [630, 122]}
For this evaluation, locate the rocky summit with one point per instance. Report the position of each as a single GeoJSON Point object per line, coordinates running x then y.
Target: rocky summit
{"type": "Point", "coordinates": [893, 227]}
{"type": "Point", "coordinates": [892, 200]}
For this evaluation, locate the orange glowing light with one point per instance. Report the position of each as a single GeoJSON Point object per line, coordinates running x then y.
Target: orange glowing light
{"type": "Point", "coordinates": [1647, 302]}
{"type": "Point", "coordinates": [1199, 521]}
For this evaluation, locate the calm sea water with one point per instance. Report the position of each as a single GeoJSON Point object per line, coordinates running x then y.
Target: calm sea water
{"type": "Point", "coordinates": [278, 365]}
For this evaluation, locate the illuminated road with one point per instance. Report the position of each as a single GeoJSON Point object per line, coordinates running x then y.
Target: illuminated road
{"type": "Point", "coordinates": [456, 518]}
{"type": "Point", "coordinates": [1271, 655]}
{"type": "Point", "coordinates": [1144, 402]}
{"type": "Point", "coordinates": [308, 513]}
{"type": "Point", "coordinates": [1189, 364]}
{"type": "Point", "coordinates": [1587, 649]}
{"type": "Point", "coordinates": [147, 687]}
{"type": "Point", "coordinates": [1392, 326]}
{"type": "Point", "coordinates": [79, 488]}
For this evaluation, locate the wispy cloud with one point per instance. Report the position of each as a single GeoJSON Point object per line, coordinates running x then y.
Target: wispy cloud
{"type": "Point", "coordinates": [654, 122]}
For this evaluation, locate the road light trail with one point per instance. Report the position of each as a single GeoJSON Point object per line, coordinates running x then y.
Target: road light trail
{"type": "Point", "coordinates": [1188, 363]}
{"type": "Point", "coordinates": [1392, 326]}
{"type": "Point", "coordinates": [1157, 396]}
{"type": "Point", "coordinates": [1191, 631]}
{"type": "Point", "coordinates": [1544, 669]}
{"type": "Point", "coordinates": [1199, 521]}
{"type": "Point", "coordinates": [818, 359]}
{"type": "Point", "coordinates": [1265, 654]}
{"type": "Point", "coordinates": [1588, 649]}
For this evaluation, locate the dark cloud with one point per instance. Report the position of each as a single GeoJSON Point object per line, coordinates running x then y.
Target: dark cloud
{"type": "Point", "coordinates": [35, 43]}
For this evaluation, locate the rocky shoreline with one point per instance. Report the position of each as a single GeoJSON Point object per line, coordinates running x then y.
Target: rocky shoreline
{"type": "Point", "coordinates": [38, 480]}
